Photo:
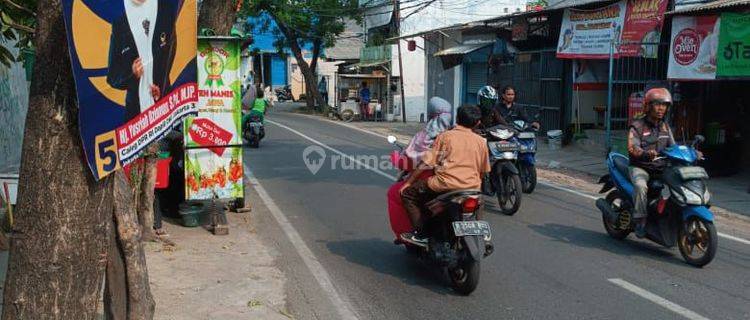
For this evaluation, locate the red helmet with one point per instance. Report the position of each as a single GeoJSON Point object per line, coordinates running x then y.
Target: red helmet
{"type": "Point", "coordinates": [656, 95]}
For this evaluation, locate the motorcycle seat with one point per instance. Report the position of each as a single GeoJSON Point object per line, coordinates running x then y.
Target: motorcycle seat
{"type": "Point", "coordinates": [438, 204]}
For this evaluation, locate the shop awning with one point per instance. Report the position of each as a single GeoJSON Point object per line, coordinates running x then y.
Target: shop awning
{"type": "Point", "coordinates": [367, 64]}
{"type": "Point", "coordinates": [461, 50]}
{"type": "Point", "coordinates": [714, 5]}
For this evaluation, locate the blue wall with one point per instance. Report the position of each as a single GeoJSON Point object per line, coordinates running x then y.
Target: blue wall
{"type": "Point", "coordinates": [278, 71]}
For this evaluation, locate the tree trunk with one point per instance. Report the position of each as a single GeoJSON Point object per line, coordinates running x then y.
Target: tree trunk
{"type": "Point", "coordinates": [308, 73]}
{"type": "Point", "coordinates": [127, 294]}
{"type": "Point", "coordinates": [59, 240]}
{"type": "Point", "coordinates": [217, 15]}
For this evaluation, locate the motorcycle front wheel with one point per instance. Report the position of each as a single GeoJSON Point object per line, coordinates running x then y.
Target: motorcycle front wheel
{"type": "Point", "coordinates": [697, 240]}
{"type": "Point", "coordinates": [509, 194]}
{"type": "Point", "coordinates": [528, 177]}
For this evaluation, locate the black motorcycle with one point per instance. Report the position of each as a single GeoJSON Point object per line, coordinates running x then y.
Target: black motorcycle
{"type": "Point", "coordinates": [458, 239]}
{"type": "Point", "coordinates": [284, 93]}
{"type": "Point", "coordinates": [504, 180]}
{"type": "Point", "coordinates": [253, 131]}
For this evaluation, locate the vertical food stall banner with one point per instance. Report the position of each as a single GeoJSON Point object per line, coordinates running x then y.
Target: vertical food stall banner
{"type": "Point", "coordinates": [734, 45]}
{"type": "Point", "coordinates": [213, 157]}
{"type": "Point", "coordinates": [643, 23]}
{"type": "Point", "coordinates": [135, 74]}
{"type": "Point", "coordinates": [588, 34]}
{"type": "Point", "coordinates": [693, 49]}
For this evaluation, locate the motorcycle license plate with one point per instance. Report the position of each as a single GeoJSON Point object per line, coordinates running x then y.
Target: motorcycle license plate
{"type": "Point", "coordinates": [471, 228]}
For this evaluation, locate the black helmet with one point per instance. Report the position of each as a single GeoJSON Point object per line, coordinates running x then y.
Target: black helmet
{"type": "Point", "coordinates": [487, 96]}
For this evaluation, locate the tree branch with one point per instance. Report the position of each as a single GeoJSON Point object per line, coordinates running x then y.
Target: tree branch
{"type": "Point", "coordinates": [20, 7]}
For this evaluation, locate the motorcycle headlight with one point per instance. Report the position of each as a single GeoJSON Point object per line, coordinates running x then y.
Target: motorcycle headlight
{"type": "Point", "coordinates": [691, 197]}
{"type": "Point", "coordinates": [509, 155]}
{"type": "Point", "coordinates": [707, 196]}
{"type": "Point", "coordinates": [503, 134]}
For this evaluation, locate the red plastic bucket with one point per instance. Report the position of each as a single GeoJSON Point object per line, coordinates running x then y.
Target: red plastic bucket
{"type": "Point", "coordinates": [162, 173]}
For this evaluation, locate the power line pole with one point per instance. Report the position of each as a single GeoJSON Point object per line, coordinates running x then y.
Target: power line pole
{"type": "Point", "coordinates": [397, 15]}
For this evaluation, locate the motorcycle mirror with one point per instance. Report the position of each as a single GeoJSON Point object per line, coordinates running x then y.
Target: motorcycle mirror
{"type": "Point", "coordinates": [392, 139]}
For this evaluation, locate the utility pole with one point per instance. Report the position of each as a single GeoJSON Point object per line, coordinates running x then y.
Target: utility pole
{"type": "Point", "coordinates": [397, 16]}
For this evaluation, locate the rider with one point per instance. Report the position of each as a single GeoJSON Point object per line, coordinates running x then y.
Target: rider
{"type": "Point", "coordinates": [458, 157]}
{"type": "Point", "coordinates": [487, 99]}
{"type": "Point", "coordinates": [512, 112]}
{"type": "Point", "coordinates": [649, 135]}
{"type": "Point", "coordinates": [259, 108]}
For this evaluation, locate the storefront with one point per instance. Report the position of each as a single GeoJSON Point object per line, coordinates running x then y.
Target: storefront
{"type": "Point", "coordinates": [709, 68]}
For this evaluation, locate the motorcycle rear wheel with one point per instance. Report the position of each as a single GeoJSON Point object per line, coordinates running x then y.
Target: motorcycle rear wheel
{"type": "Point", "coordinates": [465, 277]}
{"type": "Point", "coordinates": [615, 232]}
{"type": "Point", "coordinates": [697, 236]}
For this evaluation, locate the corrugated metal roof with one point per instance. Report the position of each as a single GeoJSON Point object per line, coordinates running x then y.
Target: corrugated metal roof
{"type": "Point", "coordinates": [462, 49]}
{"type": "Point", "coordinates": [720, 4]}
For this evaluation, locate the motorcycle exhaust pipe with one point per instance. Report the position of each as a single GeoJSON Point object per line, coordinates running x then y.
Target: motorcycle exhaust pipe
{"type": "Point", "coordinates": [606, 209]}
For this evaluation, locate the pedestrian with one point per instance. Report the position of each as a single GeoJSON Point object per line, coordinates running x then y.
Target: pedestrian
{"type": "Point", "coordinates": [323, 89]}
{"type": "Point", "coordinates": [364, 101]}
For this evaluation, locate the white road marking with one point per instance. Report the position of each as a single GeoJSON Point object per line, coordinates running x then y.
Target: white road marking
{"type": "Point", "coordinates": [551, 185]}
{"type": "Point", "coordinates": [373, 169]}
{"type": "Point", "coordinates": [657, 299]}
{"type": "Point", "coordinates": [344, 310]}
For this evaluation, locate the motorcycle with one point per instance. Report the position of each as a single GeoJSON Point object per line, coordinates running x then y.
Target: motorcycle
{"type": "Point", "coordinates": [254, 131]}
{"type": "Point", "coordinates": [458, 239]}
{"type": "Point", "coordinates": [504, 179]}
{"type": "Point", "coordinates": [284, 93]}
{"type": "Point", "coordinates": [527, 154]}
{"type": "Point", "coordinates": [678, 204]}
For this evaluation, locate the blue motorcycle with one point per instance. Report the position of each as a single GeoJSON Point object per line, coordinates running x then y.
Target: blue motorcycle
{"type": "Point", "coordinates": [678, 204]}
{"type": "Point", "coordinates": [526, 162]}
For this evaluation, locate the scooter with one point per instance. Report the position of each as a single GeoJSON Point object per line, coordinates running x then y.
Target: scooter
{"type": "Point", "coordinates": [504, 179]}
{"type": "Point", "coordinates": [284, 93]}
{"type": "Point", "coordinates": [678, 204]}
{"type": "Point", "coordinates": [458, 239]}
{"type": "Point", "coordinates": [527, 154]}
{"type": "Point", "coordinates": [254, 131]}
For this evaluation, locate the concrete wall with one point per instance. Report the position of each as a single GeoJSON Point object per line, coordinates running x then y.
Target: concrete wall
{"type": "Point", "coordinates": [14, 102]}
{"type": "Point", "coordinates": [414, 65]}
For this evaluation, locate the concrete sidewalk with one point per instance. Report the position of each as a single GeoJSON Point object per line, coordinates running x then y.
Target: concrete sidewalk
{"type": "Point", "coordinates": [729, 193]}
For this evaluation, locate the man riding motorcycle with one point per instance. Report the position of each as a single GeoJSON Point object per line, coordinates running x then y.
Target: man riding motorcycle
{"type": "Point", "coordinates": [459, 158]}
{"type": "Point", "coordinates": [512, 112]}
{"type": "Point", "coordinates": [487, 99]}
{"type": "Point", "coordinates": [648, 136]}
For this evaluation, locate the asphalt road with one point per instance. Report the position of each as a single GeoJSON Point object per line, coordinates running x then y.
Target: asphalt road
{"type": "Point", "coordinates": [553, 259]}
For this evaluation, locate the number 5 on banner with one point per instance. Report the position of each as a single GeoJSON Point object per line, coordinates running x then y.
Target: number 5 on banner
{"type": "Point", "coordinates": [106, 154]}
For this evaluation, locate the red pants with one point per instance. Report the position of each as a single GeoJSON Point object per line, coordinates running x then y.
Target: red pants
{"type": "Point", "coordinates": [396, 213]}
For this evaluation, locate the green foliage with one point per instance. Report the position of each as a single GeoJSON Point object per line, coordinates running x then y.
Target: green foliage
{"type": "Point", "coordinates": [17, 23]}
{"type": "Point", "coordinates": [318, 22]}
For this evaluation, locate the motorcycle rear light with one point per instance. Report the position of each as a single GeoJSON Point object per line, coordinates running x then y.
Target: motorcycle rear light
{"type": "Point", "coordinates": [661, 205]}
{"type": "Point", "coordinates": [470, 204]}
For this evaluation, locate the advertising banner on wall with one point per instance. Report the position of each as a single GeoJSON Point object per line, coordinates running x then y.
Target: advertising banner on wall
{"type": "Point", "coordinates": [589, 34]}
{"type": "Point", "coordinates": [213, 159]}
{"type": "Point", "coordinates": [135, 74]}
{"type": "Point", "coordinates": [734, 45]}
{"type": "Point", "coordinates": [643, 23]}
{"type": "Point", "coordinates": [693, 49]}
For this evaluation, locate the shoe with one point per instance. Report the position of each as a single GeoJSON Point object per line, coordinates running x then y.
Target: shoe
{"type": "Point", "coordinates": [640, 228]}
{"type": "Point", "coordinates": [414, 237]}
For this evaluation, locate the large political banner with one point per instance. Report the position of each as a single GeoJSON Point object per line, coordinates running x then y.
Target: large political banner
{"type": "Point", "coordinates": [135, 73]}
{"type": "Point", "coordinates": [589, 34]}
{"type": "Point", "coordinates": [213, 159]}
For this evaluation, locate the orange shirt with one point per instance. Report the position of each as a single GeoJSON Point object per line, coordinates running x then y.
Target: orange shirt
{"type": "Point", "coordinates": [459, 157]}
